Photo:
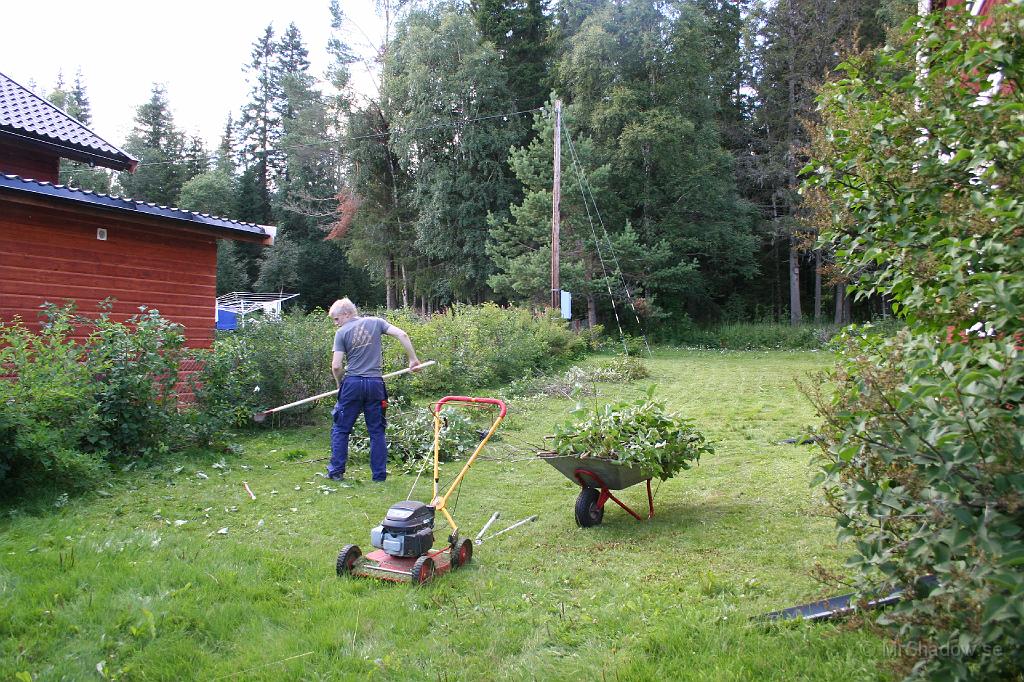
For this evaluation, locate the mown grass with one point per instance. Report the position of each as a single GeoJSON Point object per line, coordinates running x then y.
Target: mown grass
{"type": "Point", "coordinates": [114, 581]}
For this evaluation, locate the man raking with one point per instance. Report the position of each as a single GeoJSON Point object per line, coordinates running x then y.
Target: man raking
{"type": "Point", "coordinates": [360, 386]}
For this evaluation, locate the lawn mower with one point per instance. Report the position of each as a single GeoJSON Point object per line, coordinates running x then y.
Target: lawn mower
{"type": "Point", "coordinates": [404, 540]}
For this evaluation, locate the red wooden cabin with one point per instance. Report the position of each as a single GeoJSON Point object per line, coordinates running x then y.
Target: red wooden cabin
{"type": "Point", "coordinates": [59, 243]}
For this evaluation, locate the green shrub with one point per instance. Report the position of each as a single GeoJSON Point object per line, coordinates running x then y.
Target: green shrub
{"type": "Point", "coordinates": [265, 364]}
{"type": "Point", "coordinates": [920, 195]}
{"type": "Point", "coordinates": [477, 348]}
{"type": "Point", "coordinates": [224, 387]}
{"type": "Point", "coordinates": [640, 433]}
{"type": "Point", "coordinates": [751, 336]}
{"type": "Point", "coordinates": [410, 435]}
{"type": "Point", "coordinates": [480, 347]}
{"type": "Point", "coordinates": [47, 408]}
{"type": "Point", "coordinates": [136, 366]}
{"type": "Point", "coordinates": [68, 409]}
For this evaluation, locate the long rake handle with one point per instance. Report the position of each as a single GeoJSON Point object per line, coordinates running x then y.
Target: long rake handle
{"type": "Point", "coordinates": [418, 367]}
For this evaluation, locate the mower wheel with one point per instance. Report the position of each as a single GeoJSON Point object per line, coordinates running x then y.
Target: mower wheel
{"type": "Point", "coordinates": [423, 570]}
{"type": "Point", "coordinates": [462, 553]}
{"type": "Point", "coordinates": [587, 512]}
{"type": "Point", "coordinates": [347, 558]}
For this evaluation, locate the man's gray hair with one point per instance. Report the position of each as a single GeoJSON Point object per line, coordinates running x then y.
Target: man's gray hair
{"type": "Point", "coordinates": [343, 306]}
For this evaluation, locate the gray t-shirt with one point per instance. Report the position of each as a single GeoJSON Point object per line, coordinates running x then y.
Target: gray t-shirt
{"type": "Point", "coordinates": [359, 340]}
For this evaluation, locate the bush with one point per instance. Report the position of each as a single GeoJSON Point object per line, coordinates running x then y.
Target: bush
{"type": "Point", "coordinates": [47, 408]}
{"type": "Point", "coordinates": [919, 184]}
{"type": "Point", "coordinates": [480, 347]}
{"type": "Point", "coordinates": [411, 435]}
{"type": "Point", "coordinates": [136, 367]}
{"type": "Point", "coordinates": [752, 336]}
{"type": "Point", "coordinates": [476, 347]}
{"type": "Point", "coordinates": [68, 409]}
{"type": "Point", "coordinates": [225, 387]}
{"type": "Point", "coordinates": [639, 433]}
{"type": "Point", "coordinates": [264, 364]}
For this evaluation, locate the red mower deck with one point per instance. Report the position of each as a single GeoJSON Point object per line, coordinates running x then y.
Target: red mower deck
{"type": "Point", "coordinates": [379, 564]}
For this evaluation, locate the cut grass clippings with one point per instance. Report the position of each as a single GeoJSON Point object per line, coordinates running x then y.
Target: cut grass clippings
{"type": "Point", "coordinates": [167, 575]}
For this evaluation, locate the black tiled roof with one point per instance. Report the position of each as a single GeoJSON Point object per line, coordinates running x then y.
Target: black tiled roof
{"type": "Point", "coordinates": [27, 116]}
{"type": "Point", "coordinates": [135, 208]}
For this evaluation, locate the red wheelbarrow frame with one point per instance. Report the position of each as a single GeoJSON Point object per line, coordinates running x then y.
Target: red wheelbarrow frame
{"type": "Point", "coordinates": [606, 493]}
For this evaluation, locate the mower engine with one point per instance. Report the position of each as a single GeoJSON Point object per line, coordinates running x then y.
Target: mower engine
{"type": "Point", "coordinates": [406, 531]}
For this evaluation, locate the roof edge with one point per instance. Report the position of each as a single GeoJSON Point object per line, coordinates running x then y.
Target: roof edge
{"type": "Point", "coordinates": [84, 153]}
{"type": "Point", "coordinates": [204, 222]}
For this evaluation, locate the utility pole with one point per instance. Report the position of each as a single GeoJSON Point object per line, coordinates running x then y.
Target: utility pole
{"type": "Point", "coordinates": [556, 198]}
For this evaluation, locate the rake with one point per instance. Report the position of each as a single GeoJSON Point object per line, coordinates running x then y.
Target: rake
{"type": "Point", "coordinates": [260, 416]}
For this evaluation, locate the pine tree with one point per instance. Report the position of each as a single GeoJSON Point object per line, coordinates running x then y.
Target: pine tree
{"type": "Point", "coordinates": [442, 84]}
{"type": "Point", "coordinates": [259, 127]}
{"type": "Point", "coordinates": [640, 76]}
{"type": "Point", "coordinates": [159, 147]}
{"type": "Point", "coordinates": [75, 103]}
{"type": "Point", "coordinates": [592, 261]}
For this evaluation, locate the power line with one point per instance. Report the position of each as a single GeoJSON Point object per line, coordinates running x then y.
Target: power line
{"type": "Point", "coordinates": [608, 239]}
{"type": "Point", "coordinates": [578, 167]}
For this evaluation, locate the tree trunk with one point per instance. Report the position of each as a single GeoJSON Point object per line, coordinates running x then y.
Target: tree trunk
{"type": "Point", "coordinates": [405, 287]}
{"type": "Point", "coordinates": [817, 286]}
{"type": "Point", "coordinates": [776, 284]}
{"type": "Point", "coordinates": [591, 311]}
{"type": "Point", "coordinates": [840, 304]}
{"type": "Point", "coordinates": [389, 281]}
{"type": "Point", "coordinates": [795, 314]}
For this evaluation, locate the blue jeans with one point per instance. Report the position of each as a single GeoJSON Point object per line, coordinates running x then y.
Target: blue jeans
{"type": "Point", "coordinates": [367, 395]}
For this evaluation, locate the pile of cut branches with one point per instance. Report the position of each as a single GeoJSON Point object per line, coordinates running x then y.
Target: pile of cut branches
{"type": "Point", "coordinates": [641, 433]}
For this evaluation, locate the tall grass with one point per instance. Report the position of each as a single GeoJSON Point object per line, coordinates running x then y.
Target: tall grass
{"type": "Point", "coordinates": [756, 335]}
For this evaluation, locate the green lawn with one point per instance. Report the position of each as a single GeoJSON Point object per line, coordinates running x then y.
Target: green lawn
{"type": "Point", "coordinates": [116, 580]}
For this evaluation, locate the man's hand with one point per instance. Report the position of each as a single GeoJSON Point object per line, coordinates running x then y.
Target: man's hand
{"type": "Point", "coordinates": [414, 363]}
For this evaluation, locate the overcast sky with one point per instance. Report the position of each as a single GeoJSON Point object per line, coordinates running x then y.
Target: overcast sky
{"type": "Point", "coordinates": [196, 48]}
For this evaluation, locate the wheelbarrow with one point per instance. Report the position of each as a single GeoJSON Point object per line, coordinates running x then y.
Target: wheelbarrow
{"type": "Point", "coordinates": [598, 478]}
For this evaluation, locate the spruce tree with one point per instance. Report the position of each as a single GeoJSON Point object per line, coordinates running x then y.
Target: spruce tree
{"type": "Point", "coordinates": [799, 43]}
{"type": "Point", "coordinates": [158, 145]}
{"type": "Point", "coordinates": [75, 102]}
{"type": "Point", "coordinates": [519, 31]}
{"type": "Point", "coordinates": [259, 129]}
{"type": "Point", "coordinates": [644, 89]}
{"type": "Point", "coordinates": [442, 86]}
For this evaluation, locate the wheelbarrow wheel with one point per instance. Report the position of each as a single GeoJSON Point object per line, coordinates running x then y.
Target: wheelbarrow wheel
{"type": "Point", "coordinates": [587, 512]}
{"type": "Point", "coordinates": [347, 558]}
{"type": "Point", "coordinates": [423, 570]}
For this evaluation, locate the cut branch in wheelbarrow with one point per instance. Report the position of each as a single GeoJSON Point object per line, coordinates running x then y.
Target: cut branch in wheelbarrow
{"type": "Point", "coordinates": [260, 416]}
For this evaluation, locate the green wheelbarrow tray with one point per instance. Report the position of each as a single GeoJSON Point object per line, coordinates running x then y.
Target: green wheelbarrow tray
{"type": "Point", "coordinates": [614, 475]}
{"type": "Point", "coordinates": [598, 477]}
